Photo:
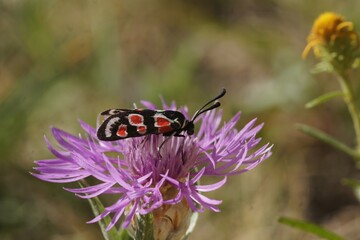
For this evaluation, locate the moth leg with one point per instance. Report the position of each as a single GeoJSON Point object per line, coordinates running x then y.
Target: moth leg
{"type": "Point", "coordinates": [168, 136]}
{"type": "Point", "coordinates": [178, 135]}
{"type": "Point", "coordinates": [182, 149]}
{"type": "Point", "coordinates": [182, 152]}
{"type": "Point", "coordinates": [144, 139]}
{"type": "Point", "coordinates": [162, 144]}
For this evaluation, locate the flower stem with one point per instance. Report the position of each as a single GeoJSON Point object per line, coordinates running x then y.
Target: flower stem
{"type": "Point", "coordinates": [310, 228]}
{"type": "Point", "coordinates": [320, 135]}
{"type": "Point", "coordinates": [145, 229]}
{"type": "Point", "coordinates": [349, 100]}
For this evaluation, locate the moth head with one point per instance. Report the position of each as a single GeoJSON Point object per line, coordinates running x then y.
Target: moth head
{"type": "Point", "coordinates": [189, 128]}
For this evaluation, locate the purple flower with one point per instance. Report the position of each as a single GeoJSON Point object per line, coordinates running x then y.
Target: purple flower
{"type": "Point", "coordinates": [145, 178]}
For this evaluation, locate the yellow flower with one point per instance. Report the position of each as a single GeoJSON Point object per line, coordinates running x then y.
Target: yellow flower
{"type": "Point", "coordinates": [332, 32]}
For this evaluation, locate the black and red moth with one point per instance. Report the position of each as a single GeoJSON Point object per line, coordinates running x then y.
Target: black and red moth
{"type": "Point", "coordinates": [126, 123]}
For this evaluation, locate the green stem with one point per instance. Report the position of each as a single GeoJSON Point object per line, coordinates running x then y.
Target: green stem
{"type": "Point", "coordinates": [310, 228]}
{"type": "Point", "coordinates": [349, 100]}
{"type": "Point", "coordinates": [316, 133]}
{"type": "Point", "coordinates": [144, 229]}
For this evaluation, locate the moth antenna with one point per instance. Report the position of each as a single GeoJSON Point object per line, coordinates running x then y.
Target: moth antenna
{"type": "Point", "coordinates": [216, 105]}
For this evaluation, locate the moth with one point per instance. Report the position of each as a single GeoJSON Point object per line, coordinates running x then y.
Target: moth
{"type": "Point", "coordinates": [128, 123]}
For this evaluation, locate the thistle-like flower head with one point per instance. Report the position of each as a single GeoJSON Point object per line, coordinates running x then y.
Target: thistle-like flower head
{"type": "Point", "coordinates": [145, 179]}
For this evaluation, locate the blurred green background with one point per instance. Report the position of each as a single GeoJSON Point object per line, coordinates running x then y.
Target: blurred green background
{"type": "Point", "coordinates": [61, 61]}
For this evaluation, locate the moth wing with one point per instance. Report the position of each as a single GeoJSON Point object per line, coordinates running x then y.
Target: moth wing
{"type": "Point", "coordinates": [115, 111]}
{"type": "Point", "coordinates": [117, 126]}
{"type": "Point", "coordinates": [108, 130]}
{"type": "Point", "coordinates": [168, 122]}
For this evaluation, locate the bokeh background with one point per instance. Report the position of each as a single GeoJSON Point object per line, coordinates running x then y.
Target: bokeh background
{"type": "Point", "coordinates": [61, 61]}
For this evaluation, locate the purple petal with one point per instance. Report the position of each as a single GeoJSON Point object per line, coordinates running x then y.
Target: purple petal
{"type": "Point", "coordinates": [130, 215]}
{"type": "Point", "coordinates": [136, 172]}
{"type": "Point", "coordinates": [211, 187]}
{"type": "Point", "coordinates": [148, 105]}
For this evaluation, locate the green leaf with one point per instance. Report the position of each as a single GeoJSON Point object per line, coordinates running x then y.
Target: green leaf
{"type": "Point", "coordinates": [144, 229]}
{"type": "Point", "coordinates": [356, 63]}
{"type": "Point", "coordinates": [320, 135]}
{"type": "Point", "coordinates": [323, 98]}
{"type": "Point", "coordinates": [322, 67]}
{"type": "Point", "coordinates": [351, 182]}
{"type": "Point", "coordinates": [97, 208]}
{"type": "Point", "coordinates": [326, 61]}
{"type": "Point", "coordinates": [355, 184]}
{"type": "Point", "coordinates": [310, 228]}
{"type": "Point", "coordinates": [124, 235]}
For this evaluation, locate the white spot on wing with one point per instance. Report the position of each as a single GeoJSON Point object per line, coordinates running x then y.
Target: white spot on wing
{"type": "Point", "coordinates": [109, 125]}
{"type": "Point", "coordinates": [115, 111]}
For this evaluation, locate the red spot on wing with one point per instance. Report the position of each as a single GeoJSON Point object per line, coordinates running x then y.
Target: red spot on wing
{"type": "Point", "coordinates": [162, 122]}
{"type": "Point", "coordinates": [122, 131]}
{"type": "Point", "coordinates": [165, 129]}
{"type": "Point", "coordinates": [141, 129]}
{"type": "Point", "coordinates": [136, 119]}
